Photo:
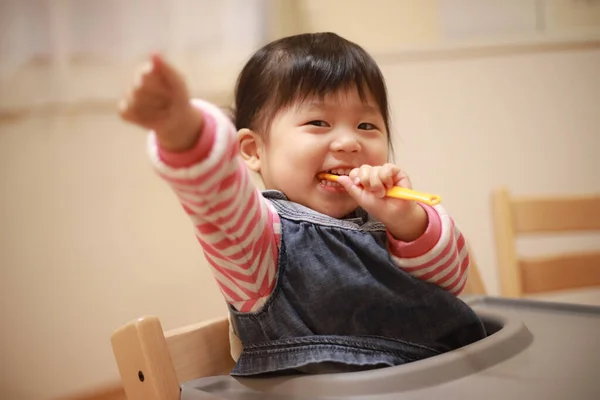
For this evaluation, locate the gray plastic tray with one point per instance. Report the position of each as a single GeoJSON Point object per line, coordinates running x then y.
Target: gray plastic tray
{"type": "Point", "coordinates": [536, 350]}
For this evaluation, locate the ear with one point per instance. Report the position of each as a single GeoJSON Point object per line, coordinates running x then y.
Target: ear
{"type": "Point", "coordinates": [250, 148]}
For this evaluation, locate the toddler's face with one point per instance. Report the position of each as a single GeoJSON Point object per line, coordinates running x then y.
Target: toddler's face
{"type": "Point", "coordinates": [334, 134]}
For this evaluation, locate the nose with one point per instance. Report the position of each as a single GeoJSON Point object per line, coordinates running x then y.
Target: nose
{"type": "Point", "coordinates": [346, 141]}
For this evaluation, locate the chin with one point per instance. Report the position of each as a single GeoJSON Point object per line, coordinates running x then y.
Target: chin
{"type": "Point", "coordinates": [336, 211]}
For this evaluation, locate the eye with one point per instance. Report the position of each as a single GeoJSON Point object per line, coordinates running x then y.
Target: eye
{"type": "Point", "coordinates": [367, 126]}
{"type": "Point", "coordinates": [321, 124]}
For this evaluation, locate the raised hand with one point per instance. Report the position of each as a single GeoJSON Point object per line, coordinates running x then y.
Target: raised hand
{"type": "Point", "coordinates": [159, 100]}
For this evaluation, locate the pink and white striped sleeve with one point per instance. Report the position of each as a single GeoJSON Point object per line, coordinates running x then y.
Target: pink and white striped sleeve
{"type": "Point", "coordinates": [439, 256]}
{"type": "Point", "coordinates": [236, 226]}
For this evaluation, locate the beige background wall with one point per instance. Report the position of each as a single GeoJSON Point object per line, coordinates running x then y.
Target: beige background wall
{"type": "Point", "coordinates": [90, 238]}
{"type": "Point", "coordinates": [530, 122]}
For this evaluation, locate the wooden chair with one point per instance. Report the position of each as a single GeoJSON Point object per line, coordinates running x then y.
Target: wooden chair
{"type": "Point", "coordinates": [513, 216]}
{"type": "Point", "coordinates": [152, 363]}
{"type": "Point", "coordinates": [474, 285]}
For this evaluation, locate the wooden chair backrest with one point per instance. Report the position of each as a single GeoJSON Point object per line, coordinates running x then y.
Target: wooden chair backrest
{"type": "Point", "coordinates": [474, 283]}
{"type": "Point", "coordinates": [152, 362]}
{"type": "Point", "coordinates": [517, 216]}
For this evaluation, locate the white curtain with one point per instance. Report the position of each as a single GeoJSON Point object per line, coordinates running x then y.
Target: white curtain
{"type": "Point", "coordinates": [67, 51]}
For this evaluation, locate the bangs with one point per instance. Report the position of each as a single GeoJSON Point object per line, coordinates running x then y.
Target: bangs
{"type": "Point", "coordinates": [301, 67]}
{"type": "Point", "coordinates": [328, 65]}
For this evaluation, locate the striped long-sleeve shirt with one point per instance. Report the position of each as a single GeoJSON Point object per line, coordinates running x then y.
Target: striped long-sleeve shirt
{"type": "Point", "coordinates": [239, 230]}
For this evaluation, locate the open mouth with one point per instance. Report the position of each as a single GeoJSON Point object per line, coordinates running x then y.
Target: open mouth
{"type": "Point", "coordinates": [338, 172]}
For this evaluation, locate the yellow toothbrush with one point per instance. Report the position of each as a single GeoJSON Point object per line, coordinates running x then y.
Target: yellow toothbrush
{"type": "Point", "coordinates": [398, 192]}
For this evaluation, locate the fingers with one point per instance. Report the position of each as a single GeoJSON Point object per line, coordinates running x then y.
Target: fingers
{"type": "Point", "coordinates": [387, 174]}
{"type": "Point", "coordinates": [142, 109]}
{"type": "Point", "coordinates": [353, 189]}
{"type": "Point", "coordinates": [167, 73]}
{"type": "Point", "coordinates": [147, 96]}
{"type": "Point", "coordinates": [401, 179]}
{"type": "Point", "coordinates": [375, 179]}
{"type": "Point", "coordinates": [148, 81]}
{"type": "Point", "coordinates": [150, 94]}
{"type": "Point", "coordinates": [376, 186]}
{"type": "Point", "coordinates": [139, 106]}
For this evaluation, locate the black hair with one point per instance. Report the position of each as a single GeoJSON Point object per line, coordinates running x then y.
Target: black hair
{"type": "Point", "coordinates": [297, 67]}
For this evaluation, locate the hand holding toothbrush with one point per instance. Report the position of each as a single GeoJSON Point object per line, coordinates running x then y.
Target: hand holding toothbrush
{"type": "Point", "coordinates": [371, 187]}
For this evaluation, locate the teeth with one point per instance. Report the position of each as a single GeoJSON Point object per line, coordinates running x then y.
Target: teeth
{"type": "Point", "coordinates": [340, 171]}
{"type": "Point", "coordinates": [329, 183]}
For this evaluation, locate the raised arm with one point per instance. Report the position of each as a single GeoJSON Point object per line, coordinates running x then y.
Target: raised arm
{"type": "Point", "coordinates": [193, 147]}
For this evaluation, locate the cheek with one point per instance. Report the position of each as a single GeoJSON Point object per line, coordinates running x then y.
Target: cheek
{"type": "Point", "coordinates": [284, 162]}
{"type": "Point", "coordinates": [379, 151]}
{"type": "Point", "coordinates": [301, 151]}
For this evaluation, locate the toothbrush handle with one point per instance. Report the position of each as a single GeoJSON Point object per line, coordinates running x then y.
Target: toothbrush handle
{"type": "Point", "coordinates": [409, 194]}
{"type": "Point", "coordinates": [399, 192]}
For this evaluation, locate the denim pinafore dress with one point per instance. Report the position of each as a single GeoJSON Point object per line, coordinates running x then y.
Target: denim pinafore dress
{"type": "Point", "coordinates": [340, 303]}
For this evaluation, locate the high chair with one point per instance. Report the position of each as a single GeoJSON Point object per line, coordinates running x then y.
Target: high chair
{"type": "Point", "coordinates": [152, 363]}
{"type": "Point", "coordinates": [519, 216]}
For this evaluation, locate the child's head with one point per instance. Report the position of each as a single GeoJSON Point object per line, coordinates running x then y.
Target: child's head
{"type": "Point", "coordinates": [307, 104]}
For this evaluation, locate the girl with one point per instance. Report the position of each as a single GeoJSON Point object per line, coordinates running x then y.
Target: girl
{"type": "Point", "coordinates": [318, 276]}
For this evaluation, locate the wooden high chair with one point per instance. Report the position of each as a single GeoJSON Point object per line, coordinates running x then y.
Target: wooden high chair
{"type": "Point", "coordinates": [152, 363]}
{"type": "Point", "coordinates": [513, 216]}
